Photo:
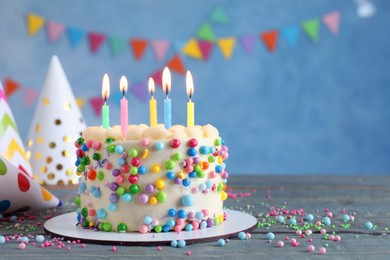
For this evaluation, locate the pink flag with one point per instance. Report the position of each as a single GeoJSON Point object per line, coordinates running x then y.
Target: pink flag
{"type": "Point", "coordinates": [96, 104]}
{"type": "Point", "coordinates": [30, 95]}
{"type": "Point", "coordinates": [54, 30]}
{"type": "Point", "coordinates": [160, 47]}
{"type": "Point", "coordinates": [332, 21]}
{"type": "Point", "coordinates": [205, 47]}
{"type": "Point", "coordinates": [157, 77]}
{"type": "Point", "coordinates": [95, 41]}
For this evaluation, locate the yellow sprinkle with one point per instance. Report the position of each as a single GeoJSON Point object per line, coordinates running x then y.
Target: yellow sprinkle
{"type": "Point", "coordinates": [91, 223]}
{"type": "Point", "coordinates": [220, 160]}
{"type": "Point", "coordinates": [156, 168]}
{"type": "Point", "coordinates": [159, 184]}
{"type": "Point", "coordinates": [181, 175]}
{"type": "Point", "coordinates": [153, 200]}
{"type": "Point", "coordinates": [224, 195]}
{"type": "Point", "coordinates": [145, 153]}
{"type": "Point", "coordinates": [220, 218]}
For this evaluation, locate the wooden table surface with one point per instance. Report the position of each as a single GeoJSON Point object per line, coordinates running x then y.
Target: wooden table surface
{"type": "Point", "coordinates": [367, 198]}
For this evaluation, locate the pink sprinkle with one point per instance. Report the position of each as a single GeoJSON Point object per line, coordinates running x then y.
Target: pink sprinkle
{"type": "Point", "coordinates": [22, 246]}
{"type": "Point", "coordinates": [330, 214]}
{"type": "Point", "coordinates": [322, 250]}
{"type": "Point", "coordinates": [298, 232]}
{"type": "Point", "coordinates": [73, 242]}
{"type": "Point", "coordinates": [68, 248]}
{"type": "Point", "coordinates": [286, 238]}
{"type": "Point", "coordinates": [293, 240]}
{"type": "Point", "coordinates": [280, 243]}
{"type": "Point", "coordinates": [59, 246]}
{"type": "Point", "coordinates": [330, 237]}
{"type": "Point", "coordinates": [78, 241]}
{"type": "Point", "coordinates": [159, 248]}
{"type": "Point", "coordinates": [33, 243]}
{"type": "Point", "coordinates": [303, 236]}
{"type": "Point", "coordinates": [337, 238]}
{"type": "Point", "coordinates": [188, 253]}
{"type": "Point", "coordinates": [83, 245]}
{"type": "Point", "coordinates": [311, 248]}
{"type": "Point", "coordinates": [323, 231]}
{"type": "Point", "coordinates": [310, 240]}
{"type": "Point", "coordinates": [41, 245]}
{"type": "Point", "coordinates": [113, 249]}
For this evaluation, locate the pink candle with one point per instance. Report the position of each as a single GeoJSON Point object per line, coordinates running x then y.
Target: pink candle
{"type": "Point", "coordinates": [124, 107]}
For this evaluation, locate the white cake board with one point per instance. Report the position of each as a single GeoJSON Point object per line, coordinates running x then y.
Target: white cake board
{"type": "Point", "coordinates": [65, 226]}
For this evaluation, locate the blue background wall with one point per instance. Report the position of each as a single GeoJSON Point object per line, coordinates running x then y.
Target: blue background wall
{"type": "Point", "coordinates": [317, 108]}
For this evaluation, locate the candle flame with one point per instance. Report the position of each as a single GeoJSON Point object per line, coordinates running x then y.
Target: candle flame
{"type": "Point", "coordinates": [166, 80]}
{"type": "Point", "coordinates": [105, 87]}
{"type": "Point", "coordinates": [189, 85]}
{"type": "Point", "coordinates": [123, 84]}
{"type": "Point", "coordinates": [151, 86]}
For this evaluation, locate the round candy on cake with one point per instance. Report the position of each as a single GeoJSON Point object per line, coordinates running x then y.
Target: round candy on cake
{"type": "Point", "coordinates": [152, 180]}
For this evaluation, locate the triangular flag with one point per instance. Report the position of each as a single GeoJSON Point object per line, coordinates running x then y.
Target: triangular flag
{"type": "Point", "coordinates": [140, 90]}
{"type": "Point", "coordinates": [218, 16]}
{"type": "Point", "coordinates": [291, 34]}
{"type": "Point", "coordinates": [96, 104]}
{"type": "Point", "coordinates": [30, 95]}
{"type": "Point", "coordinates": [34, 23]}
{"type": "Point", "coordinates": [191, 49]}
{"type": "Point", "coordinates": [247, 42]}
{"type": "Point", "coordinates": [139, 47]}
{"type": "Point", "coordinates": [95, 41]}
{"type": "Point", "coordinates": [227, 45]}
{"type": "Point", "coordinates": [75, 36]}
{"type": "Point", "coordinates": [160, 47]}
{"type": "Point", "coordinates": [157, 77]}
{"type": "Point", "coordinates": [205, 47]}
{"type": "Point", "coordinates": [54, 30]}
{"type": "Point", "coordinates": [270, 39]}
{"type": "Point", "coordinates": [205, 32]}
{"type": "Point", "coordinates": [332, 21]}
{"type": "Point", "coordinates": [117, 44]}
{"type": "Point", "coordinates": [80, 102]}
{"type": "Point", "coordinates": [176, 64]}
{"type": "Point", "coordinates": [310, 27]}
{"type": "Point", "coordinates": [10, 86]}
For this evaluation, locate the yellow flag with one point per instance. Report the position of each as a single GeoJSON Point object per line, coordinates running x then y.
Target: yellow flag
{"type": "Point", "coordinates": [80, 102]}
{"type": "Point", "coordinates": [227, 45]}
{"type": "Point", "coordinates": [192, 49]}
{"type": "Point", "coordinates": [34, 23]}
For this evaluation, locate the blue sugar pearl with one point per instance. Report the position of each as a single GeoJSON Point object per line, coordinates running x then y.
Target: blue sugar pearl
{"type": "Point", "coordinates": [241, 235]}
{"type": "Point", "coordinates": [127, 197]}
{"type": "Point", "coordinates": [189, 227]}
{"type": "Point", "coordinates": [142, 170]}
{"type": "Point", "coordinates": [186, 182]}
{"type": "Point", "coordinates": [199, 215]}
{"type": "Point", "coordinates": [119, 149]}
{"type": "Point", "coordinates": [159, 146]}
{"type": "Point", "coordinates": [204, 149]}
{"type": "Point", "coordinates": [78, 217]}
{"type": "Point", "coordinates": [181, 243]}
{"type": "Point", "coordinates": [166, 228]}
{"type": "Point", "coordinates": [218, 168]}
{"type": "Point", "coordinates": [101, 214]}
{"type": "Point", "coordinates": [39, 238]}
{"type": "Point", "coordinates": [174, 243]}
{"type": "Point", "coordinates": [172, 212]}
{"type": "Point", "coordinates": [368, 225]}
{"type": "Point", "coordinates": [92, 188]}
{"type": "Point", "coordinates": [148, 220]}
{"type": "Point", "coordinates": [2, 239]}
{"type": "Point", "coordinates": [192, 174]}
{"type": "Point", "coordinates": [223, 142]}
{"type": "Point", "coordinates": [292, 221]}
{"type": "Point", "coordinates": [170, 175]}
{"type": "Point", "coordinates": [223, 165]}
{"type": "Point", "coordinates": [96, 193]}
{"type": "Point", "coordinates": [270, 236]}
{"type": "Point", "coordinates": [112, 207]}
{"type": "Point", "coordinates": [77, 162]}
{"type": "Point", "coordinates": [24, 239]}
{"type": "Point", "coordinates": [346, 218]}
{"type": "Point", "coordinates": [187, 200]}
{"type": "Point", "coordinates": [181, 213]}
{"type": "Point", "coordinates": [326, 221]}
{"type": "Point", "coordinates": [203, 224]}
{"type": "Point", "coordinates": [309, 217]}
{"type": "Point", "coordinates": [221, 242]}
{"type": "Point", "coordinates": [280, 219]}
{"type": "Point", "coordinates": [202, 186]}
{"type": "Point", "coordinates": [171, 223]}
{"type": "Point", "coordinates": [191, 152]}
{"type": "Point", "coordinates": [209, 184]}
{"type": "Point", "coordinates": [82, 187]}
{"type": "Point", "coordinates": [13, 218]}
{"type": "Point", "coordinates": [84, 147]}
{"type": "Point", "coordinates": [211, 149]}
{"type": "Point", "coordinates": [121, 161]}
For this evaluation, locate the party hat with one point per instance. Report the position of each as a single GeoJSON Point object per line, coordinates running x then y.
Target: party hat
{"type": "Point", "coordinates": [56, 124]}
{"type": "Point", "coordinates": [19, 192]}
{"type": "Point", "coordinates": [11, 145]}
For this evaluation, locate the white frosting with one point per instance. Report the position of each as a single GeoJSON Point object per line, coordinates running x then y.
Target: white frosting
{"type": "Point", "coordinates": [133, 213]}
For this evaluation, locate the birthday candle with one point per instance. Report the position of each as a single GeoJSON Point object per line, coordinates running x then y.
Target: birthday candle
{"type": "Point", "coordinates": [166, 79]}
{"type": "Point", "coordinates": [124, 106]}
{"type": "Point", "coordinates": [105, 96]}
{"type": "Point", "coordinates": [152, 104]}
{"type": "Point", "coordinates": [190, 104]}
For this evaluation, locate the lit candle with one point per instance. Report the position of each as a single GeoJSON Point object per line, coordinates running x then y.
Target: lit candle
{"type": "Point", "coordinates": [152, 104]}
{"type": "Point", "coordinates": [166, 80]}
{"type": "Point", "coordinates": [124, 106]}
{"type": "Point", "coordinates": [105, 96]}
{"type": "Point", "coordinates": [190, 104]}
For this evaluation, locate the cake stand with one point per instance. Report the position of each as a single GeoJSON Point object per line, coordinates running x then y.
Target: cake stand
{"type": "Point", "coordinates": [65, 226]}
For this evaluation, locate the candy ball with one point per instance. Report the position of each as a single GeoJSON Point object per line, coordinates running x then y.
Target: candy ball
{"type": "Point", "coordinates": [322, 250]}
{"type": "Point", "coordinates": [368, 225]}
{"type": "Point", "coordinates": [346, 218]}
{"type": "Point", "coordinates": [22, 246]}
{"type": "Point", "coordinates": [181, 243]}
{"type": "Point", "coordinates": [221, 242]}
{"type": "Point", "coordinates": [311, 248]}
{"type": "Point", "coordinates": [174, 243]}
{"type": "Point", "coordinates": [326, 221]}
{"type": "Point", "coordinates": [280, 243]}
{"type": "Point", "coordinates": [39, 238]}
{"type": "Point", "coordinates": [309, 217]}
{"type": "Point", "coordinates": [187, 200]}
{"type": "Point", "coordinates": [2, 239]}
{"type": "Point", "coordinates": [241, 235]}
{"type": "Point", "coordinates": [270, 235]}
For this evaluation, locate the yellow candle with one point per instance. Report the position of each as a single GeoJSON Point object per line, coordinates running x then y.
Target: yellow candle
{"type": "Point", "coordinates": [190, 104]}
{"type": "Point", "coordinates": [152, 104]}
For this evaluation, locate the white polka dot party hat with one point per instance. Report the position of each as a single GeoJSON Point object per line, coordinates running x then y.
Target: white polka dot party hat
{"type": "Point", "coordinates": [56, 124]}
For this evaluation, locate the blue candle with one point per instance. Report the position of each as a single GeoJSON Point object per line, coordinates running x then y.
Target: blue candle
{"type": "Point", "coordinates": [166, 80]}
